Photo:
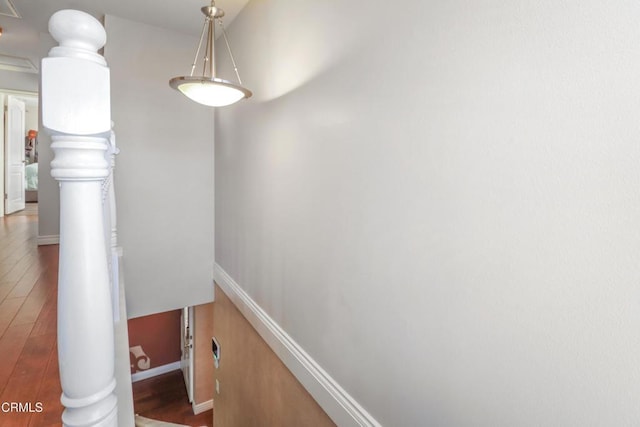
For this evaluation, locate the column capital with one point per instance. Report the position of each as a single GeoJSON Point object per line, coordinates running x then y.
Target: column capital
{"type": "Point", "coordinates": [79, 35]}
{"type": "Point", "coordinates": [75, 83]}
{"type": "Point", "coordinates": [79, 158]}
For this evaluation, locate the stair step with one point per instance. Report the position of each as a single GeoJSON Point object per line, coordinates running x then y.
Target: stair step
{"type": "Point", "coordinates": [148, 422]}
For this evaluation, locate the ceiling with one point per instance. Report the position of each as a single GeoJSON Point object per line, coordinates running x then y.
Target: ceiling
{"type": "Point", "coordinates": [27, 37]}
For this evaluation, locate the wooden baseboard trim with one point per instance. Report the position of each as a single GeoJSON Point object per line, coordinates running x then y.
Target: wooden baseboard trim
{"type": "Point", "coordinates": [48, 240]}
{"type": "Point", "coordinates": [343, 409]}
{"type": "Point", "coordinates": [154, 372]}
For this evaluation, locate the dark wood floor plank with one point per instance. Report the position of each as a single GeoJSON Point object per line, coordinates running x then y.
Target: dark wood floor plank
{"type": "Point", "coordinates": [5, 289]}
{"type": "Point", "coordinates": [48, 319]}
{"type": "Point", "coordinates": [11, 345]}
{"type": "Point", "coordinates": [21, 265]}
{"type": "Point", "coordinates": [23, 389]}
{"type": "Point", "coordinates": [24, 383]}
{"type": "Point", "coordinates": [27, 281]}
{"type": "Point", "coordinates": [8, 310]}
{"type": "Point", "coordinates": [164, 398]}
{"type": "Point", "coordinates": [35, 355]}
{"type": "Point", "coordinates": [32, 306]}
{"type": "Point", "coordinates": [29, 368]}
{"type": "Point", "coordinates": [49, 396]}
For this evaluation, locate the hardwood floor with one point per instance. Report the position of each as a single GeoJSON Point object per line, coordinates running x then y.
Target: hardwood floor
{"type": "Point", "coordinates": [29, 357]}
{"type": "Point", "coordinates": [165, 398]}
{"type": "Point", "coordinates": [28, 352]}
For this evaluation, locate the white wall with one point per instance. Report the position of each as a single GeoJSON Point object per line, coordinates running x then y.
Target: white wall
{"type": "Point", "coordinates": [23, 82]}
{"type": "Point", "coordinates": [164, 172]}
{"type": "Point", "coordinates": [31, 112]}
{"type": "Point", "coordinates": [48, 191]}
{"type": "Point", "coordinates": [440, 202]}
{"type": "Point", "coordinates": [48, 188]}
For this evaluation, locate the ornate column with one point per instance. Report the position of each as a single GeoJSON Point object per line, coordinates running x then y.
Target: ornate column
{"type": "Point", "coordinates": [76, 112]}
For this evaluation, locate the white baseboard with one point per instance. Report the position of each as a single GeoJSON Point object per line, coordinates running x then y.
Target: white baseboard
{"type": "Point", "coordinates": [154, 372]}
{"type": "Point", "coordinates": [48, 240]}
{"type": "Point", "coordinates": [202, 407]}
{"type": "Point", "coordinates": [336, 402]}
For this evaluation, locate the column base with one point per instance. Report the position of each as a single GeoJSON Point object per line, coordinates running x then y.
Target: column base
{"type": "Point", "coordinates": [98, 410]}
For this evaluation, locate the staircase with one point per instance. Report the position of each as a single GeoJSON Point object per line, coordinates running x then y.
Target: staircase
{"type": "Point", "coordinates": [147, 422]}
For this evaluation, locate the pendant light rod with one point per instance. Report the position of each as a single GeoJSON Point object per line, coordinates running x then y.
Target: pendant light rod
{"type": "Point", "coordinates": [209, 58]}
{"type": "Point", "coordinates": [226, 41]}
{"type": "Point", "coordinates": [195, 58]}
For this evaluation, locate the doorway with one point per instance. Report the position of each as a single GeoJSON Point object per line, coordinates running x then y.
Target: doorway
{"type": "Point", "coordinates": [19, 151]}
{"type": "Point", "coordinates": [186, 344]}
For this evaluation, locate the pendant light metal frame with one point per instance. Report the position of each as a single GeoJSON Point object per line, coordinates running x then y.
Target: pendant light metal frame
{"type": "Point", "coordinates": [208, 78]}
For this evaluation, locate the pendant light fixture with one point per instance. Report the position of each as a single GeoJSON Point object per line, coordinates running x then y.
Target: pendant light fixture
{"type": "Point", "coordinates": [208, 89]}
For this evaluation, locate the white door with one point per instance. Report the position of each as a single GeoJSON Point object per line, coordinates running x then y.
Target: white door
{"type": "Point", "coordinates": [14, 155]}
{"type": "Point", "coordinates": [186, 341]}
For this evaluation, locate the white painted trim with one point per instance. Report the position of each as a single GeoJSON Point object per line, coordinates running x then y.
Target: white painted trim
{"type": "Point", "coordinates": [48, 240]}
{"type": "Point", "coordinates": [124, 391]}
{"type": "Point", "coordinates": [154, 372]}
{"type": "Point", "coordinates": [343, 409]}
{"type": "Point", "coordinates": [202, 407]}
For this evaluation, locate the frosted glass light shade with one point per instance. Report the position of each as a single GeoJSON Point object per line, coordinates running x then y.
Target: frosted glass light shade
{"type": "Point", "coordinates": [213, 92]}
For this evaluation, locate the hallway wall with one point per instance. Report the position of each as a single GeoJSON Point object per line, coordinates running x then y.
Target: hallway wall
{"type": "Point", "coordinates": [48, 190]}
{"type": "Point", "coordinates": [154, 340]}
{"type": "Point", "coordinates": [163, 175]}
{"type": "Point", "coordinates": [439, 202]}
{"type": "Point", "coordinates": [164, 172]}
{"type": "Point", "coordinates": [24, 82]}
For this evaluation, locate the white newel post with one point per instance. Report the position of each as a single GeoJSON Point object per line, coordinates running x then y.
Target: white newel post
{"type": "Point", "coordinates": [76, 112]}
